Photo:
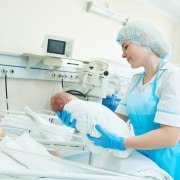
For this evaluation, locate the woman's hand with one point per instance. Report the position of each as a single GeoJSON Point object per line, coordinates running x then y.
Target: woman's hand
{"type": "Point", "coordinates": [107, 140]}
{"type": "Point", "coordinates": [65, 118]}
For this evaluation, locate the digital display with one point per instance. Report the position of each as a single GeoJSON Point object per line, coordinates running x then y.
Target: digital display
{"type": "Point", "coordinates": [55, 46]}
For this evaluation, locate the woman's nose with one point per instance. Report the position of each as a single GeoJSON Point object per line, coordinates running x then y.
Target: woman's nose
{"type": "Point", "coordinates": [124, 54]}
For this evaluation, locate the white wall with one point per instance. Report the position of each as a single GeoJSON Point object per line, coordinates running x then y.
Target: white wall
{"type": "Point", "coordinates": [25, 22]}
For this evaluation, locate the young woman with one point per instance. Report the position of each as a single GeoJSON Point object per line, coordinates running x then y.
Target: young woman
{"type": "Point", "coordinates": [152, 101]}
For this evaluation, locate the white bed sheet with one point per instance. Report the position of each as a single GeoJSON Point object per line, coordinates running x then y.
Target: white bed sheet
{"type": "Point", "coordinates": [24, 154]}
{"type": "Point", "coordinates": [14, 151]}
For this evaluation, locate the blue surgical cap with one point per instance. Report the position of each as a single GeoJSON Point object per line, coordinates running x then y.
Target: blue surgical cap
{"type": "Point", "coordinates": [145, 35]}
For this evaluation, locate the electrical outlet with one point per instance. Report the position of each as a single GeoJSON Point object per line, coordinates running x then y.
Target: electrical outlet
{"type": "Point", "coordinates": [4, 71]}
{"type": "Point", "coordinates": [11, 71]}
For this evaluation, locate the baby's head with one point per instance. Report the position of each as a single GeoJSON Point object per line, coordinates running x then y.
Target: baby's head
{"type": "Point", "coordinates": [59, 100]}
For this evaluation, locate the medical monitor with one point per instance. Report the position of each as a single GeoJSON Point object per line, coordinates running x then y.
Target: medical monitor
{"type": "Point", "coordinates": [57, 46]}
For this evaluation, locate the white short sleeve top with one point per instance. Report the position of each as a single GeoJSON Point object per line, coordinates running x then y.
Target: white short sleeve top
{"type": "Point", "coordinates": [168, 92]}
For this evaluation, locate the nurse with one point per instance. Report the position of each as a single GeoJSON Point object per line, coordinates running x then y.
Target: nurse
{"type": "Point", "coordinates": [152, 101]}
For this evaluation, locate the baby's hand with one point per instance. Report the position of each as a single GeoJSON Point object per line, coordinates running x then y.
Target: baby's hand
{"type": "Point", "coordinates": [2, 133]}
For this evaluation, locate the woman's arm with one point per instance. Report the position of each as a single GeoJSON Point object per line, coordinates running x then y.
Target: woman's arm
{"type": "Point", "coordinates": [165, 136]}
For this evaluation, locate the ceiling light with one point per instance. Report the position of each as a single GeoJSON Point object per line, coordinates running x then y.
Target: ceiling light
{"type": "Point", "coordinates": [93, 7]}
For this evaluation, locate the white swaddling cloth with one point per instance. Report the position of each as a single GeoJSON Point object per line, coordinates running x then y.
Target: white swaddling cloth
{"type": "Point", "coordinates": [88, 114]}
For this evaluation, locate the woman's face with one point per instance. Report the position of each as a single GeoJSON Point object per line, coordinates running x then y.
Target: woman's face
{"type": "Point", "coordinates": [136, 55]}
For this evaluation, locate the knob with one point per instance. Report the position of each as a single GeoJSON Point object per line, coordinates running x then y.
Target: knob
{"type": "Point", "coordinates": [106, 73]}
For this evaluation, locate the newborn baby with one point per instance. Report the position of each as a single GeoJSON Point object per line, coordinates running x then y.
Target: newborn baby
{"type": "Point", "coordinates": [88, 114]}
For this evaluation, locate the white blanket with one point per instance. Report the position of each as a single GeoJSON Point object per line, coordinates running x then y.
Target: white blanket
{"type": "Point", "coordinates": [16, 124]}
{"type": "Point", "coordinates": [88, 114]}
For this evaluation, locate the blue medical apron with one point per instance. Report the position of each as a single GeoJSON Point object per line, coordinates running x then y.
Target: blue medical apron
{"type": "Point", "coordinates": [141, 109]}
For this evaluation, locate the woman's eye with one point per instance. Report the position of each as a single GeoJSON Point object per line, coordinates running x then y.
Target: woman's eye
{"type": "Point", "coordinates": [125, 47]}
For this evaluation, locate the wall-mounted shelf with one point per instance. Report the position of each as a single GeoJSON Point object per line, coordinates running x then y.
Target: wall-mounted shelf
{"type": "Point", "coordinates": [34, 59]}
{"type": "Point", "coordinates": [38, 67]}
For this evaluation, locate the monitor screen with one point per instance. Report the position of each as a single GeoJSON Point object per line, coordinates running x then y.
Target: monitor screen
{"type": "Point", "coordinates": [56, 46]}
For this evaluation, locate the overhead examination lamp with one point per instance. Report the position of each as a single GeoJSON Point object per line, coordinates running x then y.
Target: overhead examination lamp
{"type": "Point", "coordinates": [94, 7]}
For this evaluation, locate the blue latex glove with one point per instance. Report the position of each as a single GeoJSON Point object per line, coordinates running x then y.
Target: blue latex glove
{"type": "Point", "coordinates": [65, 117]}
{"type": "Point", "coordinates": [107, 140]}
